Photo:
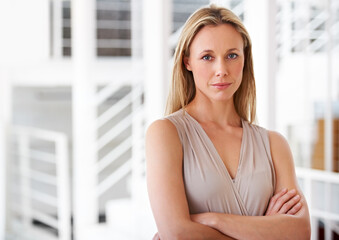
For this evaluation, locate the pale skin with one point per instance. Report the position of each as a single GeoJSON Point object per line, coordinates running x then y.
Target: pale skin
{"type": "Point", "coordinates": [217, 64]}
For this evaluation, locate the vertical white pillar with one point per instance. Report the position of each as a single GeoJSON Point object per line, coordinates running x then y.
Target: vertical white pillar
{"type": "Point", "coordinates": [271, 63]}
{"type": "Point", "coordinates": [308, 195]}
{"type": "Point", "coordinates": [328, 100]}
{"type": "Point", "coordinates": [5, 111]}
{"type": "Point", "coordinates": [329, 117]}
{"type": "Point", "coordinates": [156, 31]}
{"type": "Point", "coordinates": [5, 119]}
{"type": "Point", "coordinates": [137, 88]}
{"type": "Point", "coordinates": [260, 22]}
{"type": "Point", "coordinates": [4, 122]}
{"type": "Point", "coordinates": [157, 26]}
{"type": "Point", "coordinates": [63, 189]}
{"type": "Point", "coordinates": [306, 95]}
{"type": "Point", "coordinates": [57, 29]}
{"type": "Point", "coordinates": [84, 138]}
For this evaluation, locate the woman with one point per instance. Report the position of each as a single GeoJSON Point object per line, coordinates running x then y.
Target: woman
{"type": "Point", "coordinates": [212, 173]}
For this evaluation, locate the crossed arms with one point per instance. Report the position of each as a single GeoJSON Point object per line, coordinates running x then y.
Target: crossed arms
{"type": "Point", "coordinates": [287, 216]}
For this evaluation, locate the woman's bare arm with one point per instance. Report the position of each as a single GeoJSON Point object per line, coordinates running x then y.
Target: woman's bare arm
{"type": "Point", "coordinates": [277, 225]}
{"type": "Point", "coordinates": [166, 188]}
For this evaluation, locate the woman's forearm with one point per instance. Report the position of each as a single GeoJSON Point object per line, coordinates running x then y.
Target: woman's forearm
{"type": "Point", "coordinates": [205, 232]}
{"type": "Point", "coordinates": [259, 227]}
{"type": "Point", "coordinates": [194, 231]}
{"type": "Point", "coordinates": [286, 218]}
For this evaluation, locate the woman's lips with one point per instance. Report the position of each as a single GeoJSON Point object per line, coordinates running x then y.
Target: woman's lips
{"type": "Point", "coordinates": [221, 85]}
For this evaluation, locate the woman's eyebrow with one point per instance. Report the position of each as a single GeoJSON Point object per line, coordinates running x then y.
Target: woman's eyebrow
{"type": "Point", "coordinates": [209, 50]}
{"type": "Point", "coordinates": [233, 49]}
{"type": "Point", "coordinates": [206, 51]}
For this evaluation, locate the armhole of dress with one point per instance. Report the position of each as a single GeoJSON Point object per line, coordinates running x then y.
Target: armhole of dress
{"type": "Point", "coordinates": [176, 125]}
{"type": "Point", "coordinates": [266, 140]}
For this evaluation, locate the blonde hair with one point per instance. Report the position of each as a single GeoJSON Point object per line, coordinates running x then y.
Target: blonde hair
{"type": "Point", "coordinates": [182, 90]}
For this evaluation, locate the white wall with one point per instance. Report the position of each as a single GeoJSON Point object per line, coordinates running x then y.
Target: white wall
{"type": "Point", "coordinates": [29, 31]}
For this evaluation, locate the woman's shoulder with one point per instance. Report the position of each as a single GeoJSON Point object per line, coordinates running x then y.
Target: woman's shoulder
{"type": "Point", "coordinates": [275, 138]}
{"type": "Point", "coordinates": [280, 150]}
{"type": "Point", "coordinates": [278, 141]}
{"type": "Point", "coordinates": [162, 141]}
{"type": "Point", "coordinates": [161, 126]}
{"type": "Point", "coordinates": [164, 127]}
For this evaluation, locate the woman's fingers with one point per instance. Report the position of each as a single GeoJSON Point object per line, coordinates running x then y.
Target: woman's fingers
{"type": "Point", "coordinates": [284, 202]}
{"type": "Point", "coordinates": [290, 204]}
{"type": "Point", "coordinates": [274, 199]}
{"type": "Point", "coordinates": [295, 209]}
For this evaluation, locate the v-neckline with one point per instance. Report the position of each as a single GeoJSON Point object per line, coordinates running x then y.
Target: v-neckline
{"type": "Point", "coordinates": [235, 179]}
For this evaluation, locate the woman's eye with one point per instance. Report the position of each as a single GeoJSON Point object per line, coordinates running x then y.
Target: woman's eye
{"type": "Point", "coordinates": [232, 55]}
{"type": "Point", "coordinates": [207, 57]}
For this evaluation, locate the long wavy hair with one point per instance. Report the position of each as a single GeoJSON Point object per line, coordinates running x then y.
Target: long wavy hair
{"type": "Point", "coordinates": [182, 89]}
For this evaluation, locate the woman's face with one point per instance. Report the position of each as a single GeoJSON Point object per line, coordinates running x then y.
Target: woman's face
{"type": "Point", "coordinates": [216, 61]}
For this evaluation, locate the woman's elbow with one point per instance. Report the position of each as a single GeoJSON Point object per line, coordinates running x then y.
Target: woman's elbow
{"type": "Point", "coordinates": [305, 230]}
{"type": "Point", "coordinates": [182, 232]}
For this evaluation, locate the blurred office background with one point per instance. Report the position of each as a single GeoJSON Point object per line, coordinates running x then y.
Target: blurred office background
{"type": "Point", "coordinates": [81, 80]}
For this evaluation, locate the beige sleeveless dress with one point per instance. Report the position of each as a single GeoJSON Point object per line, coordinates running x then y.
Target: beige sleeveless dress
{"type": "Point", "coordinates": [208, 185]}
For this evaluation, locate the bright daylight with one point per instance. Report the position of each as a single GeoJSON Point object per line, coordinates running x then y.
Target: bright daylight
{"type": "Point", "coordinates": [169, 119]}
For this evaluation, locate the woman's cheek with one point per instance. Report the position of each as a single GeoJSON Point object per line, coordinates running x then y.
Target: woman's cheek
{"type": "Point", "coordinates": [201, 75]}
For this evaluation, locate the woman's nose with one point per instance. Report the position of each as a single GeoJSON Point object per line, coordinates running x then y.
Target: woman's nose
{"type": "Point", "coordinates": [221, 68]}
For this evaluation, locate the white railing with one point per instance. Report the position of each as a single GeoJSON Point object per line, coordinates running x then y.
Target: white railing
{"type": "Point", "coordinates": [311, 20]}
{"type": "Point", "coordinates": [118, 138]}
{"type": "Point", "coordinates": [327, 212]}
{"type": "Point", "coordinates": [40, 162]}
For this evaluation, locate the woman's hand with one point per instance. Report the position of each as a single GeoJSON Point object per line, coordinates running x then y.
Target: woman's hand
{"type": "Point", "coordinates": [209, 218]}
{"type": "Point", "coordinates": [284, 202]}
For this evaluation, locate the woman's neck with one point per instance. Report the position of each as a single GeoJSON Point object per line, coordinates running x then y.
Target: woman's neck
{"type": "Point", "coordinates": [222, 113]}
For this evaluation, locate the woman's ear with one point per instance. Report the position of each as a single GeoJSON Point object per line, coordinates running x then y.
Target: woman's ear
{"type": "Point", "coordinates": [187, 64]}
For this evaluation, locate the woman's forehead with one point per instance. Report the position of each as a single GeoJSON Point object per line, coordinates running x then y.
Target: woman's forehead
{"type": "Point", "coordinates": [216, 37]}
